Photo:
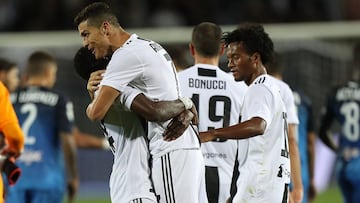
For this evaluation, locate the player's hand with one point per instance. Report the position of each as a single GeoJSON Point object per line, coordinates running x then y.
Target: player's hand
{"type": "Point", "coordinates": [72, 187]}
{"type": "Point", "coordinates": [206, 136]}
{"type": "Point", "coordinates": [10, 152]}
{"type": "Point", "coordinates": [94, 81]}
{"type": "Point", "coordinates": [178, 125]}
{"type": "Point", "coordinates": [195, 120]}
{"type": "Point", "coordinates": [297, 195]}
{"type": "Point", "coordinates": [291, 200]}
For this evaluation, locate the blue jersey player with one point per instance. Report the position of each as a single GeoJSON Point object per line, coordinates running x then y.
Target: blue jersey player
{"type": "Point", "coordinates": [306, 143]}
{"type": "Point", "coordinates": [46, 119]}
{"type": "Point", "coordinates": [343, 104]}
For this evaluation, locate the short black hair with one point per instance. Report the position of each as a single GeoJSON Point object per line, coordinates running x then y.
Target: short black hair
{"type": "Point", "coordinates": [6, 65]}
{"type": "Point", "coordinates": [254, 38]}
{"type": "Point", "coordinates": [96, 13]}
{"type": "Point", "coordinates": [206, 38]}
{"type": "Point", "coordinates": [85, 63]}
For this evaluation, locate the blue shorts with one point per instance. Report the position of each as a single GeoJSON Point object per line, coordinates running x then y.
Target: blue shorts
{"type": "Point", "coordinates": [349, 179]}
{"type": "Point", "coordinates": [34, 196]}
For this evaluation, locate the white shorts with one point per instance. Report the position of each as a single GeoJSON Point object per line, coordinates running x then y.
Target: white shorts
{"type": "Point", "coordinates": [130, 176]}
{"type": "Point", "coordinates": [143, 200]}
{"type": "Point", "coordinates": [275, 192]}
{"type": "Point", "coordinates": [179, 176]}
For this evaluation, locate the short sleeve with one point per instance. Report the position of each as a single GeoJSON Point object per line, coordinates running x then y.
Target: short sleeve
{"type": "Point", "coordinates": [123, 68]}
{"type": "Point", "coordinates": [128, 96]}
{"type": "Point", "coordinates": [289, 101]}
{"type": "Point", "coordinates": [258, 103]}
{"type": "Point", "coordinates": [65, 115]}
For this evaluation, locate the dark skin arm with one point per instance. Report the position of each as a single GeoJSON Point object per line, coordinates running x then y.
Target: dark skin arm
{"type": "Point", "coordinates": [311, 158]}
{"type": "Point", "coordinates": [250, 128]}
{"type": "Point", "coordinates": [150, 110]}
{"type": "Point", "coordinates": [324, 132]}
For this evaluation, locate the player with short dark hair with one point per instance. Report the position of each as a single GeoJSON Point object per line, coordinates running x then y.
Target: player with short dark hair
{"type": "Point", "coordinates": [218, 99]}
{"type": "Point", "coordinates": [343, 106]}
{"type": "Point", "coordinates": [265, 170]}
{"type": "Point", "coordinates": [46, 117]}
{"type": "Point", "coordinates": [145, 67]}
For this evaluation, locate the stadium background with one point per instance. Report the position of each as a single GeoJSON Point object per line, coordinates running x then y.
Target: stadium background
{"type": "Point", "coordinates": [314, 39]}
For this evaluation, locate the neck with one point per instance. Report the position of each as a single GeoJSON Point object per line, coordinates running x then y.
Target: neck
{"type": "Point", "coordinates": [277, 75]}
{"type": "Point", "coordinates": [259, 71]}
{"type": "Point", "coordinates": [205, 60]}
{"type": "Point", "coordinates": [37, 82]}
{"type": "Point", "coordinates": [118, 38]}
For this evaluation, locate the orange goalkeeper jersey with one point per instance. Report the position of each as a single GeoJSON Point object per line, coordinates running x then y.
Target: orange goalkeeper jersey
{"type": "Point", "coordinates": [9, 126]}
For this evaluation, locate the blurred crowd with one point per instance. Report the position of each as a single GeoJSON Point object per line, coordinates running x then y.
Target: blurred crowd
{"type": "Point", "coordinates": [25, 15]}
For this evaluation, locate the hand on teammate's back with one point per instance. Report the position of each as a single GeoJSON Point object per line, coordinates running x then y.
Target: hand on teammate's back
{"type": "Point", "coordinates": [178, 125]}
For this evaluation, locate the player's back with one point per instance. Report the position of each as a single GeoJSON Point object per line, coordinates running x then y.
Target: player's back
{"type": "Point", "coordinates": [344, 105]}
{"type": "Point", "coordinates": [288, 99]}
{"type": "Point", "coordinates": [43, 114]}
{"type": "Point", "coordinates": [125, 131]}
{"type": "Point", "coordinates": [150, 69]}
{"type": "Point", "coordinates": [218, 99]}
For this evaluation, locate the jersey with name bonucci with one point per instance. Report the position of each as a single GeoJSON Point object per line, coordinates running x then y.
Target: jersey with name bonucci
{"type": "Point", "coordinates": [146, 66]}
{"type": "Point", "coordinates": [267, 163]}
{"type": "Point", "coordinates": [218, 99]}
{"type": "Point", "coordinates": [43, 115]}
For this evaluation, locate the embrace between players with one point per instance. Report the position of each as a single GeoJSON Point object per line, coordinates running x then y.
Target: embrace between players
{"type": "Point", "coordinates": [153, 130]}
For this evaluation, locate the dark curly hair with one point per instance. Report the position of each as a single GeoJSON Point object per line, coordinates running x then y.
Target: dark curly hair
{"type": "Point", "coordinates": [254, 39]}
{"type": "Point", "coordinates": [85, 63]}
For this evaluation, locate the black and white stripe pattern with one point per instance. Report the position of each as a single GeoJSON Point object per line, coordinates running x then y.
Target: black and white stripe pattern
{"type": "Point", "coordinates": [260, 80]}
{"type": "Point", "coordinates": [139, 200]}
{"type": "Point", "coordinates": [167, 179]}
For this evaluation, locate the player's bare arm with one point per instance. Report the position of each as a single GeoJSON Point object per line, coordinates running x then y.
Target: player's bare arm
{"type": "Point", "coordinates": [297, 190]}
{"type": "Point", "coordinates": [69, 148]}
{"type": "Point", "coordinates": [250, 128]}
{"type": "Point", "coordinates": [311, 154]}
{"type": "Point", "coordinates": [325, 134]}
{"type": "Point", "coordinates": [150, 110]}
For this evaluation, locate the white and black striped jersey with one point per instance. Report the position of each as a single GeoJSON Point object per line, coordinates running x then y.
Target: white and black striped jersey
{"type": "Point", "coordinates": [289, 101]}
{"type": "Point", "coordinates": [146, 66]}
{"type": "Point", "coordinates": [218, 99]}
{"type": "Point", "coordinates": [266, 169]}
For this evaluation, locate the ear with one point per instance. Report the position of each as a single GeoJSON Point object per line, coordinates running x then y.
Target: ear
{"type": "Point", "coordinates": [256, 57]}
{"type": "Point", "coordinates": [222, 49]}
{"type": "Point", "coordinates": [192, 49]}
{"type": "Point", "coordinates": [105, 28]}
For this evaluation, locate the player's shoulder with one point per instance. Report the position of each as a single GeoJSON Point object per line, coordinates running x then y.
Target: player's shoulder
{"type": "Point", "coordinates": [265, 83]}
{"type": "Point", "coordinates": [189, 71]}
